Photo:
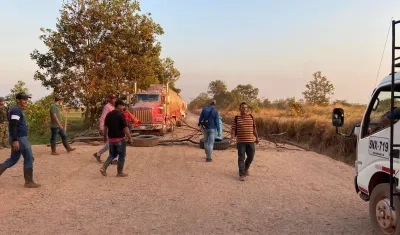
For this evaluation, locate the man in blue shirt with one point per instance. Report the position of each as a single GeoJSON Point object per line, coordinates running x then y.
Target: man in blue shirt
{"type": "Point", "coordinates": [18, 138]}
{"type": "Point", "coordinates": [209, 123]}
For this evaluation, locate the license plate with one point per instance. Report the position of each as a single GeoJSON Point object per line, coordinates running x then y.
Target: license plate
{"type": "Point", "coordinates": [142, 127]}
{"type": "Point", "coordinates": [379, 146]}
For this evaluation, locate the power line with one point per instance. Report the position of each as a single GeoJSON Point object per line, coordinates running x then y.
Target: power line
{"type": "Point", "coordinates": [383, 52]}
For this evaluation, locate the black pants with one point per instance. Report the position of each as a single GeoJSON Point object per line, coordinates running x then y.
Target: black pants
{"type": "Point", "coordinates": [243, 150]}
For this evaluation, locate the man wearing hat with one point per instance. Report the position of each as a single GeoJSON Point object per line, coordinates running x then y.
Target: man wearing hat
{"type": "Point", "coordinates": [3, 123]}
{"type": "Point", "coordinates": [115, 130]}
{"type": "Point", "coordinates": [18, 134]}
{"type": "Point", "coordinates": [209, 123]}
{"type": "Point", "coordinates": [57, 128]}
{"type": "Point", "coordinates": [106, 109]}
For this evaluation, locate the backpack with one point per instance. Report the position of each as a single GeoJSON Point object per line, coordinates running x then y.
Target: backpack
{"type": "Point", "coordinates": [204, 122]}
{"type": "Point", "coordinates": [236, 118]}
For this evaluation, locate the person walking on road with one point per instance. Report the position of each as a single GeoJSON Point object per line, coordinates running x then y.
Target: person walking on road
{"type": "Point", "coordinates": [208, 124]}
{"type": "Point", "coordinates": [244, 129]}
{"type": "Point", "coordinates": [115, 131]}
{"type": "Point", "coordinates": [3, 124]}
{"type": "Point", "coordinates": [18, 134]}
{"type": "Point", "coordinates": [106, 109]}
{"type": "Point", "coordinates": [57, 128]}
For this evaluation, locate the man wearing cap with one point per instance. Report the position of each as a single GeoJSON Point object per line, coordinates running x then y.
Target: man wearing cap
{"type": "Point", "coordinates": [106, 109]}
{"type": "Point", "coordinates": [115, 130]}
{"type": "Point", "coordinates": [3, 123]}
{"type": "Point", "coordinates": [18, 134]}
{"type": "Point", "coordinates": [209, 123]}
{"type": "Point", "coordinates": [57, 128]}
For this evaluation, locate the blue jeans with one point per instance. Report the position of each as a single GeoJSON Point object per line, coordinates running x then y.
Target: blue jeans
{"type": "Point", "coordinates": [24, 149]}
{"type": "Point", "coordinates": [104, 149]}
{"type": "Point", "coordinates": [56, 131]}
{"type": "Point", "coordinates": [209, 139]}
{"type": "Point", "coordinates": [117, 149]}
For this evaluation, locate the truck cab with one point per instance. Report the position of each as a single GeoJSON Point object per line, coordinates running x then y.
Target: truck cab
{"type": "Point", "coordinates": [158, 108]}
{"type": "Point", "coordinates": [372, 166]}
{"type": "Point", "coordinates": [149, 109]}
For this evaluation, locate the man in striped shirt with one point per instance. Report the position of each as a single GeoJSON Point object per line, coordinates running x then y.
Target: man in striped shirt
{"type": "Point", "coordinates": [244, 129]}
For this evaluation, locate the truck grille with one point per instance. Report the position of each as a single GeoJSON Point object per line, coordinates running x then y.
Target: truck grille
{"type": "Point", "coordinates": [144, 115]}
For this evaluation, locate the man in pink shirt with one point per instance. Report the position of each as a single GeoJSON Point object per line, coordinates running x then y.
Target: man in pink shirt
{"type": "Point", "coordinates": [106, 109]}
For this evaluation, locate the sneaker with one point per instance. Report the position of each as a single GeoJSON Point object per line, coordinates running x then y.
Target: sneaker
{"type": "Point", "coordinates": [241, 178]}
{"type": "Point", "coordinates": [247, 172]}
{"type": "Point", "coordinates": [209, 160]}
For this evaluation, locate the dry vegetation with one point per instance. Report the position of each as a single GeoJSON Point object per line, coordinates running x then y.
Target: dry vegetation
{"type": "Point", "coordinates": [309, 127]}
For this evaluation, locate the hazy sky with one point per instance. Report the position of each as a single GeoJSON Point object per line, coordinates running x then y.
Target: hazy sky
{"type": "Point", "coordinates": [273, 45]}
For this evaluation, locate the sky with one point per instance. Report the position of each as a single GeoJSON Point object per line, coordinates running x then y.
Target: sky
{"type": "Point", "coordinates": [275, 46]}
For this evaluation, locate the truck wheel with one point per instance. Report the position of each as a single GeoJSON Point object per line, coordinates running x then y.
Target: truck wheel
{"type": "Point", "coordinates": [179, 123]}
{"type": "Point", "coordinates": [163, 130]}
{"type": "Point", "coordinates": [145, 141]}
{"type": "Point", "coordinates": [218, 144]}
{"type": "Point", "coordinates": [383, 219]}
{"type": "Point", "coordinates": [171, 128]}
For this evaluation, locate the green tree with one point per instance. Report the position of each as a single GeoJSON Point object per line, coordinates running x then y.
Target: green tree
{"type": "Point", "coordinates": [168, 73]}
{"type": "Point", "coordinates": [38, 116]}
{"type": "Point", "coordinates": [217, 87]}
{"type": "Point", "coordinates": [266, 103]}
{"type": "Point", "coordinates": [247, 93]}
{"type": "Point", "coordinates": [19, 87]}
{"type": "Point", "coordinates": [318, 90]}
{"type": "Point", "coordinates": [199, 102]}
{"type": "Point", "coordinates": [98, 47]}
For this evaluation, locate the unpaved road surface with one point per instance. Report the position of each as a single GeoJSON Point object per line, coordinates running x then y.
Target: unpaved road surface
{"type": "Point", "coordinates": [172, 190]}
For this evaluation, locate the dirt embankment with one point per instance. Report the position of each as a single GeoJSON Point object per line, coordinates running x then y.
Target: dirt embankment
{"type": "Point", "coordinates": [172, 190]}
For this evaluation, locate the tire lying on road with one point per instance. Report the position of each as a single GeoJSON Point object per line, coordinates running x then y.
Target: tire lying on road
{"type": "Point", "coordinates": [218, 144]}
{"type": "Point", "coordinates": [145, 141]}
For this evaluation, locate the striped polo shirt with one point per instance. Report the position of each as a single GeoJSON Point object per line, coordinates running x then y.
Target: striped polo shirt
{"type": "Point", "coordinates": [245, 129]}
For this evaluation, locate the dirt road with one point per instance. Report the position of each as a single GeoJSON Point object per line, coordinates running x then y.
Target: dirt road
{"type": "Point", "coordinates": [172, 190]}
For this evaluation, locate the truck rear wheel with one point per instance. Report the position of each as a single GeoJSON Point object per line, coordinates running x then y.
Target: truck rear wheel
{"type": "Point", "coordinates": [171, 128]}
{"type": "Point", "coordinates": [178, 123]}
{"type": "Point", "coordinates": [163, 130]}
{"type": "Point", "coordinates": [384, 219]}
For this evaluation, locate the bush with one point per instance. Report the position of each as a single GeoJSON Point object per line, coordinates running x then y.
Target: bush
{"type": "Point", "coordinates": [38, 116]}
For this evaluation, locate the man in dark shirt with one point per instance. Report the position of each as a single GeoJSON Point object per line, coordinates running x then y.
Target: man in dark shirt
{"type": "Point", "coordinates": [18, 136]}
{"type": "Point", "coordinates": [115, 130]}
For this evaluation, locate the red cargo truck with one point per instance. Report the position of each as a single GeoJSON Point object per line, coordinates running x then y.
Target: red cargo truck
{"type": "Point", "coordinates": [158, 108]}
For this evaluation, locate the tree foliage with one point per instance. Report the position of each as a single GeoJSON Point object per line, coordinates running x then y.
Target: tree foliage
{"type": "Point", "coordinates": [217, 87]}
{"type": "Point", "coordinates": [228, 100]}
{"type": "Point", "coordinates": [318, 90]}
{"type": "Point", "coordinates": [99, 47]}
{"type": "Point", "coordinates": [19, 87]}
{"type": "Point", "coordinates": [199, 102]}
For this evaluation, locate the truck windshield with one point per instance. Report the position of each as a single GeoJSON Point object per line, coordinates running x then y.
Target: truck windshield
{"type": "Point", "coordinates": [148, 97]}
{"type": "Point", "coordinates": [379, 107]}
